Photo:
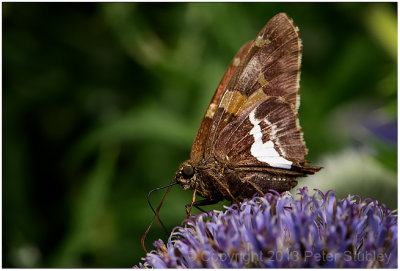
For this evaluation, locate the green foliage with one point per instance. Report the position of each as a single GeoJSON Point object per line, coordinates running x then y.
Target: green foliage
{"type": "Point", "coordinates": [101, 102]}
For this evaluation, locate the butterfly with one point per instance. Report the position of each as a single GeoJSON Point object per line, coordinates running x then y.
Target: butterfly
{"type": "Point", "coordinates": [250, 140]}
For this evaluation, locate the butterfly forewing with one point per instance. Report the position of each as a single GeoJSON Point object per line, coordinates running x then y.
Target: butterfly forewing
{"type": "Point", "coordinates": [275, 52]}
{"type": "Point", "coordinates": [198, 147]}
{"type": "Point", "coordinates": [270, 69]}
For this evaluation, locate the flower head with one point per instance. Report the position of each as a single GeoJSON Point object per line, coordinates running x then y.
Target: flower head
{"type": "Point", "coordinates": [281, 231]}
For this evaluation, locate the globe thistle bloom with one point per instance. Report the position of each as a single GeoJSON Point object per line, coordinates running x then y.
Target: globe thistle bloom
{"type": "Point", "coordinates": [281, 231]}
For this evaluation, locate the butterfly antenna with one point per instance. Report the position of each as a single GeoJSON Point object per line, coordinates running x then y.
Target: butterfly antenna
{"type": "Point", "coordinates": [156, 211]}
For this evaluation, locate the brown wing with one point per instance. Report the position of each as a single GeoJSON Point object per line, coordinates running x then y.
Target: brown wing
{"type": "Point", "coordinates": [266, 134]}
{"type": "Point", "coordinates": [197, 152]}
{"type": "Point", "coordinates": [270, 69]}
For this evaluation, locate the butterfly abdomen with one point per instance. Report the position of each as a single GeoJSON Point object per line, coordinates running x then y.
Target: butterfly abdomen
{"type": "Point", "coordinates": [217, 181]}
{"type": "Point", "coordinates": [263, 182]}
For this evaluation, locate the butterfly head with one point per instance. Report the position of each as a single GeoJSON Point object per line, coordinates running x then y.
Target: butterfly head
{"type": "Point", "coordinates": [186, 175]}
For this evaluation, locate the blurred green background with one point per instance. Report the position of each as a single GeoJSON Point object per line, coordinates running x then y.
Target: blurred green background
{"type": "Point", "coordinates": [101, 103]}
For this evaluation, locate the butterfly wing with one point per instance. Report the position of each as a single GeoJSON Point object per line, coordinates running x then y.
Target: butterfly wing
{"type": "Point", "coordinates": [266, 134]}
{"type": "Point", "coordinates": [197, 152]}
{"type": "Point", "coordinates": [256, 122]}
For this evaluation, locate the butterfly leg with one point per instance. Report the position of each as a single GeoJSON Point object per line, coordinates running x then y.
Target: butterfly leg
{"type": "Point", "coordinates": [190, 204]}
{"type": "Point", "coordinates": [227, 191]}
{"type": "Point", "coordinates": [203, 202]}
{"type": "Point", "coordinates": [200, 209]}
{"type": "Point", "coordinates": [259, 191]}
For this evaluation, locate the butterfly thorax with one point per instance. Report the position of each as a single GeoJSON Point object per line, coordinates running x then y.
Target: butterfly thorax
{"type": "Point", "coordinates": [208, 177]}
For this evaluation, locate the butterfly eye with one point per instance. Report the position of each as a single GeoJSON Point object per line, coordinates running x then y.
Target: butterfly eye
{"type": "Point", "coordinates": [187, 172]}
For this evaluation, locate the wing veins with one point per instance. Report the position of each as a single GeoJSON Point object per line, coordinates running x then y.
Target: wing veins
{"type": "Point", "coordinates": [273, 30]}
{"type": "Point", "coordinates": [220, 118]}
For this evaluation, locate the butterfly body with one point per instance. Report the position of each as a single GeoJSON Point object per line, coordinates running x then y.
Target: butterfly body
{"type": "Point", "coordinates": [212, 180]}
{"type": "Point", "coordinates": [250, 140]}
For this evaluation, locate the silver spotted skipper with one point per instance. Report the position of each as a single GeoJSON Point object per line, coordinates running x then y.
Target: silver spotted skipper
{"type": "Point", "coordinates": [249, 140]}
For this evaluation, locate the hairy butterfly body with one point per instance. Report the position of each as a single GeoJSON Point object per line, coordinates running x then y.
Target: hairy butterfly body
{"type": "Point", "coordinates": [249, 140]}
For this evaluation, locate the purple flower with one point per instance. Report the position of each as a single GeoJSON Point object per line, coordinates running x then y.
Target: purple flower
{"type": "Point", "coordinates": [281, 231]}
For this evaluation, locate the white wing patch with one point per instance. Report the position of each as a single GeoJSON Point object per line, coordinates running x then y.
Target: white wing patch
{"type": "Point", "coordinates": [265, 152]}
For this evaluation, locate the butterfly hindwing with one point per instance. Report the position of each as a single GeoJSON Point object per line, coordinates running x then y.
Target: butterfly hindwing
{"type": "Point", "coordinates": [266, 134]}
